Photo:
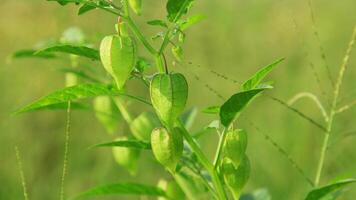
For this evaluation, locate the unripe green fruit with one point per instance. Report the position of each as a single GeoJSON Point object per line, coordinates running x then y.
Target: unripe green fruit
{"type": "Point", "coordinates": [107, 114]}
{"type": "Point", "coordinates": [236, 178]}
{"type": "Point", "coordinates": [167, 147]}
{"type": "Point", "coordinates": [126, 157]}
{"type": "Point", "coordinates": [143, 125]}
{"type": "Point", "coordinates": [235, 145]}
{"type": "Point", "coordinates": [118, 55]}
{"type": "Point", "coordinates": [169, 94]}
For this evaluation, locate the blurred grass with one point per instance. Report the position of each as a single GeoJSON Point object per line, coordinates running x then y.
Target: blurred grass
{"type": "Point", "coordinates": [236, 39]}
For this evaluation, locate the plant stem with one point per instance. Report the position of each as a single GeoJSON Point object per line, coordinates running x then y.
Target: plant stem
{"type": "Point", "coordinates": [124, 112]}
{"type": "Point", "coordinates": [66, 150]}
{"type": "Point", "coordinates": [205, 162]}
{"type": "Point", "coordinates": [333, 108]}
{"type": "Point", "coordinates": [219, 149]}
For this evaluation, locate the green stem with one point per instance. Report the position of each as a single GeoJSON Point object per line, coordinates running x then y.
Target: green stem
{"type": "Point", "coordinates": [219, 149]}
{"type": "Point", "coordinates": [205, 162]}
{"type": "Point", "coordinates": [333, 108]}
{"type": "Point", "coordinates": [124, 112]}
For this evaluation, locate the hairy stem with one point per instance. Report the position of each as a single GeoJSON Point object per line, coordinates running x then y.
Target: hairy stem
{"type": "Point", "coordinates": [66, 150]}
{"type": "Point", "coordinates": [333, 108]}
{"type": "Point", "coordinates": [22, 175]}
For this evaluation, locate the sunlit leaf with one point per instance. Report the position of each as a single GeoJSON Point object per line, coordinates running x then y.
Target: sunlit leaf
{"type": "Point", "coordinates": [123, 189]}
{"type": "Point", "coordinates": [177, 8]}
{"type": "Point", "coordinates": [233, 106]}
{"type": "Point", "coordinates": [63, 106]}
{"type": "Point", "coordinates": [191, 21]}
{"type": "Point", "coordinates": [318, 193]}
{"type": "Point", "coordinates": [256, 79]}
{"type": "Point", "coordinates": [125, 143]}
{"type": "Point", "coordinates": [71, 49]}
{"type": "Point", "coordinates": [80, 91]}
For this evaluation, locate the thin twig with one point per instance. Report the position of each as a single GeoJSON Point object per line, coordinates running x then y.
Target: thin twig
{"type": "Point", "coordinates": [22, 175]}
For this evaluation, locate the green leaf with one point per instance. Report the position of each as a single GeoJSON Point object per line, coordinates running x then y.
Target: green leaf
{"type": "Point", "coordinates": [191, 21]}
{"type": "Point", "coordinates": [158, 22]}
{"type": "Point", "coordinates": [64, 106]}
{"type": "Point", "coordinates": [125, 143]}
{"type": "Point", "coordinates": [318, 193]}
{"type": "Point", "coordinates": [211, 110]}
{"type": "Point", "coordinates": [123, 188]}
{"type": "Point", "coordinates": [31, 53]}
{"type": "Point", "coordinates": [80, 91]}
{"type": "Point", "coordinates": [85, 8]}
{"type": "Point", "coordinates": [177, 8]}
{"type": "Point", "coordinates": [72, 49]}
{"type": "Point", "coordinates": [234, 105]}
{"type": "Point", "coordinates": [118, 55]}
{"type": "Point", "coordinates": [258, 76]}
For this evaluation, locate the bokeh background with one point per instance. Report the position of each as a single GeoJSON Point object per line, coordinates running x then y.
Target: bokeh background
{"type": "Point", "coordinates": [236, 38]}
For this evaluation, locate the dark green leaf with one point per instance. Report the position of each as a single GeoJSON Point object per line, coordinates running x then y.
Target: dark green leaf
{"type": "Point", "coordinates": [71, 49]}
{"type": "Point", "coordinates": [31, 53]}
{"type": "Point", "coordinates": [85, 8]}
{"type": "Point", "coordinates": [258, 76]}
{"type": "Point", "coordinates": [177, 8]}
{"type": "Point", "coordinates": [318, 193]}
{"type": "Point", "coordinates": [157, 22]}
{"type": "Point", "coordinates": [125, 143]}
{"type": "Point", "coordinates": [80, 91]}
{"type": "Point", "coordinates": [233, 106]}
{"type": "Point", "coordinates": [123, 188]}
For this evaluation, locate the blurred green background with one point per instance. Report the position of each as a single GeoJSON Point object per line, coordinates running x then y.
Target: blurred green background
{"type": "Point", "coordinates": [236, 38]}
